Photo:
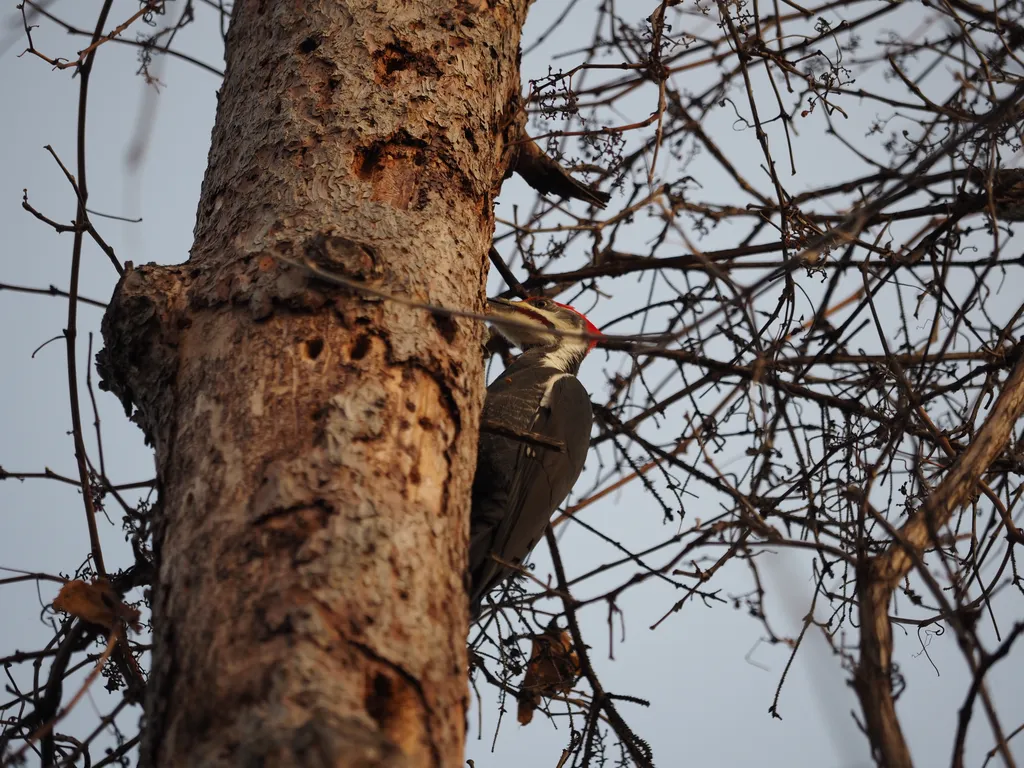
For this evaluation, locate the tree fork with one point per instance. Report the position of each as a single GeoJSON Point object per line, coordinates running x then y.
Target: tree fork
{"type": "Point", "coordinates": [315, 448]}
{"type": "Point", "coordinates": [879, 576]}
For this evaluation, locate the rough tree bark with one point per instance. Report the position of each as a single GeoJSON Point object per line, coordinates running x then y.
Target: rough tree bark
{"type": "Point", "coordinates": [315, 447]}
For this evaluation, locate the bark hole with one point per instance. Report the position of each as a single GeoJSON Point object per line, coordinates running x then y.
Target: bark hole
{"type": "Point", "coordinates": [369, 160]}
{"type": "Point", "coordinates": [378, 698]}
{"type": "Point", "coordinates": [446, 326]}
{"type": "Point", "coordinates": [313, 348]}
{"type": "Point", "coordinates": [397, 57]}
{"type": "Point", "coordinates": [395, 168]}
{"type": "Point", "coordinates": [361, 347]}
{"type": "Point", "coordinates": [309, 45]}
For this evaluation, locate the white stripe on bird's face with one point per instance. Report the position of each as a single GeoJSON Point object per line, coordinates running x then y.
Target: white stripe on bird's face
{"type": "Point", "coordinates": [535, 321]}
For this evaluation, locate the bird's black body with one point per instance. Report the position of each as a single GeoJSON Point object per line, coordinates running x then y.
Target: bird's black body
{"type": "Point", "coordinates": [519, 484]}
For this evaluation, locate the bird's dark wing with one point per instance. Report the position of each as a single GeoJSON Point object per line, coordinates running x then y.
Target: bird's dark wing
{"type": "Point", "coordinates": [512, 400]}
{"type": "Point", "coordinates": [542, 479]}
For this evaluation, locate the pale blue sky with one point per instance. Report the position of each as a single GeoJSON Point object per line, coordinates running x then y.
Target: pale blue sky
{"type": "Point", "coordinates": [709, 680]}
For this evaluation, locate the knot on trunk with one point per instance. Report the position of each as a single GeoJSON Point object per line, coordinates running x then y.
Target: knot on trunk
{"type": "Point", "coordinates": [141, 329]}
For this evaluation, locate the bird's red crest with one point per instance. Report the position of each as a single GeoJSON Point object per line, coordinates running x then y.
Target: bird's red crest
{"type": "Point", "coordinates": [591, 328]}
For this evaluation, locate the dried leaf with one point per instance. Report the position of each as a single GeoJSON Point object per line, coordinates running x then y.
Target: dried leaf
{"type": "Point", "coordinates": [553, 669]}
{"type": "Point", "coordinates": [97, 603]}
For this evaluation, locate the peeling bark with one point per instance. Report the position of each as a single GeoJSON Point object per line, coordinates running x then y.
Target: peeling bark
{"type": "Point", "coordinates": [315, 448]}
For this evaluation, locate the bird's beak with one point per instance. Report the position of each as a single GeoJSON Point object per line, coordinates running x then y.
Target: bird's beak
{"type": "Point", "coordinates": [499, 305]}
{"type": "Point", "coordinates": [529, 325]}
{"type": "Point", "coordinates": [516, 310]}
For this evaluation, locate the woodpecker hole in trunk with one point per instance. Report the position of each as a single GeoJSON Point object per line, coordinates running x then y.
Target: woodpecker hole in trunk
{"type": "Point", "coordinates": [313, 348]}
{"type": "Point", "coordinates": [446, 326]}
{"type": "Point", "coordinates": [361, 347]}
{"type": "Point", "coordinates": [309, 45]}
{"type": "Point", "coordinates": [378, 698]}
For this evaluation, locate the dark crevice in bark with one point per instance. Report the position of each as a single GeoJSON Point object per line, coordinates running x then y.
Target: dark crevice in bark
{"type": "Point", "coordinates": [385, 709]}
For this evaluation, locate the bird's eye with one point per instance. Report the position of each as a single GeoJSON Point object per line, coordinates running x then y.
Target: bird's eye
{"type": "Point", "coordinates": [542, 304]}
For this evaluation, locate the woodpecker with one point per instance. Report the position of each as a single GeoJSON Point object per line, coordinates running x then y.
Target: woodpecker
{"type": "Point", "coordinates": [519, 484]}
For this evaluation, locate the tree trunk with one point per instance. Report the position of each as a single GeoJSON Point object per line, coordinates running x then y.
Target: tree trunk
{"type": "Point", "coordinates": [315, 446]}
